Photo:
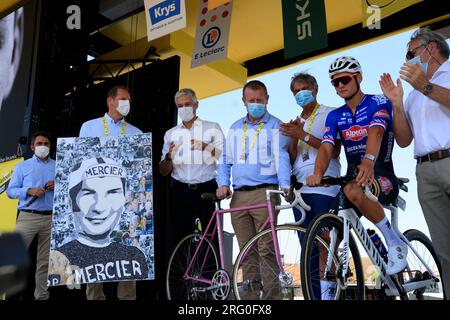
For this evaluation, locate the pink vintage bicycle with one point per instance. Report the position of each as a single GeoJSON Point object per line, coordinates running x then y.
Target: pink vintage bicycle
{"type": "Point", "coordinates": [196, 271]}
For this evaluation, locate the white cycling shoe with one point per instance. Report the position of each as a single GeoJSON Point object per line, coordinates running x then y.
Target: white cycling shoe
{"type": "Point", "coordinates": [397, 258]}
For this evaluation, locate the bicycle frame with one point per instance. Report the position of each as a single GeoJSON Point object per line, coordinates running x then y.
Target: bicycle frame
{"type": "Point", "coordinates": [392, 285]}
{"type": "Point", "coordinates": [270, 221]}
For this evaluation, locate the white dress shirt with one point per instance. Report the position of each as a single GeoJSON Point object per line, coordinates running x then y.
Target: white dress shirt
{"type": "Point", "coordinates": [95, 128]}
{"type": "Point", "coordinates": [304, 168]}
{"type": "Point", "coordinates": [194, 166]}
{"type": "Point", "coordinates": [428, 119]}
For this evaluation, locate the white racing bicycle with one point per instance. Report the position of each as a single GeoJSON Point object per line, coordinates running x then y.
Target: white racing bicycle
{"type": "Point", "coordinates": [330, 254]}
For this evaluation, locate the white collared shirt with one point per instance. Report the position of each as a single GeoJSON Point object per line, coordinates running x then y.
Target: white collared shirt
{"type": "Point", "coordinates": [428, 119]}
{"type": "Point", "coordinates": [95, 128]}
{"type": "Point", "coordinates": [302, 169]}
{"type": "Point", "coordinates": [194, 166]}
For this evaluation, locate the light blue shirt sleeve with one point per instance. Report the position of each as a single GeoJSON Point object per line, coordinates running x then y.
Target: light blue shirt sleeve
{"type": "Point", "coordinates": [29, 174]}
{"type": "Point", "coordinates": [225, 162]}
{"type": "Point", "coordinates": [16, 190]}
{"type": "Point", "coordinates": [282, 162]}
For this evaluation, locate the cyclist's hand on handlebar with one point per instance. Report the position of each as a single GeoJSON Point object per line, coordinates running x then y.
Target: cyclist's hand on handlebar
{"type": "Point", "coordinates": [314, 180]}
{"type": "Point", "coordinates": [366, 173]}
{"type": "Point", "coordinates": [223, 192]}
{"type": "Point", "coordinates": [288, 194]}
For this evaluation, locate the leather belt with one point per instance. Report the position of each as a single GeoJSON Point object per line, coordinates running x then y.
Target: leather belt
{"type": "Point", "coordinates": [434, 156]}
{"type": "Point", "coordinates": [259, 186]}
{"type": "Point", "coordinates": [45, 212]}
{"type": "Point", "coordinates": [194, 186]}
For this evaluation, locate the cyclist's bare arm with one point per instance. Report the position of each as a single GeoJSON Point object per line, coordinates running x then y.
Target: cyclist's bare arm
{"type": "Point", "coordinates": [337, 149]}
{"type": "Point", "coordinates": [324, 156]}
{"type": "Point", "coordinates": [366, 168]}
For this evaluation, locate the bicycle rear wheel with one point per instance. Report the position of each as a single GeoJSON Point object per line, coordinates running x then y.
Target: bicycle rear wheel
{"type": "Point", "coordinates": [205, 265]}
{"type": "Point", "coordinates": [417, 271]}
{"type": "Point", "coordinates": [319, 282]}
{"type": "Point", "coordinates": [256, 275]}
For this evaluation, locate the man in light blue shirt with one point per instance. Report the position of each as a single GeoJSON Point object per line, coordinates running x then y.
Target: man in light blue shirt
{"type": "Point", "coordinates": [112, 123]}
{"type": "Point", "coordinates": [257, 157]}
{"type": "Point", "coordinates": [32, 183]}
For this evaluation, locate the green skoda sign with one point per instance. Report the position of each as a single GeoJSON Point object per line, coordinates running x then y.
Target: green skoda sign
{"type": "Point", "coordinates": [305, 26]}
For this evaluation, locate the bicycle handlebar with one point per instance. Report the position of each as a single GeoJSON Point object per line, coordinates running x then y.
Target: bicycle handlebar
{"type": "Point", "coordinates": [342, 181]}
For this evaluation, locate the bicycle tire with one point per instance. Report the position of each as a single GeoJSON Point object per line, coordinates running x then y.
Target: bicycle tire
{"type": "Point", "coordinates": [418, 270]}
{"type": "Point", "coordinates": [256, 291]}
{"type": "Point", "coordinates": [178, 288]}
{"type": "Point", "coordinates": [313, 246]}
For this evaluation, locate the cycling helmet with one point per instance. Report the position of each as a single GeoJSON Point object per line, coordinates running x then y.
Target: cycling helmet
{"type": "Point", "coordinates": [344, 64]}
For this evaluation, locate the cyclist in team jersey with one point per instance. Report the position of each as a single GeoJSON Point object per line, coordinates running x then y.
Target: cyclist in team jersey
{"type": "Point", "coordinates": [364, 126]}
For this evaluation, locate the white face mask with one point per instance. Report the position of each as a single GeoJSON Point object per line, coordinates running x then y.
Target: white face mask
{"type": "Point", "coordinates": [124, 107]}
{"type": "Point", "coordinates": [186, 113]}
{"type": "Point", "coordinates": [41, 152]}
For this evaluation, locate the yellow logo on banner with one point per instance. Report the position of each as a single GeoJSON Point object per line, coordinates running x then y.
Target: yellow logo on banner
{"type": "Point", "coordinates": [8, 207]}
{"type": "Point", "coordinates": [375, 10]}
{"type": "Point", "coordinates": [216, 3]}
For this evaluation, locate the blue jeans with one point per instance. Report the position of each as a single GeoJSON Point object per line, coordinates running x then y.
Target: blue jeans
{"type": "Point", "coordinates": [319, 204]}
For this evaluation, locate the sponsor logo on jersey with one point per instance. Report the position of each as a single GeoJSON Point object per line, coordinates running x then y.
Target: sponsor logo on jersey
{"type": "Point", "coordinates": [356, 133]}
{"type": "Point", "coordinates": [382, 113]}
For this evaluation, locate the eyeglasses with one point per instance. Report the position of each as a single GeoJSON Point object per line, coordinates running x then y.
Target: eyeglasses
{"type": "Point", "coordinates": [411, 53]}
{"type": "Point", "coordinates": [344, 80]}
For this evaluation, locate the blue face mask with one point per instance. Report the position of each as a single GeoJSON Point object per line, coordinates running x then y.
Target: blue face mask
{"type": "Point", "coordinates": [417, 60]}
{"type": "Point", "coordinates": [256, 110]}
{"type": "Point", "coordinates": [304, 97]}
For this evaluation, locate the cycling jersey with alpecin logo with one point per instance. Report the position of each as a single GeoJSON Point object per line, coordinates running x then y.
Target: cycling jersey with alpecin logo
{"type": "Point", "coordinates": [353, 130]}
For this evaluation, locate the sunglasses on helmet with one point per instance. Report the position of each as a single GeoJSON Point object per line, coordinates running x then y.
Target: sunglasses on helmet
{"type": "Point", "coordinates": [344, 80]}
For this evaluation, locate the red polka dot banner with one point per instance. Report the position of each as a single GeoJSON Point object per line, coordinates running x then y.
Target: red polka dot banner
{"type": "Point", "coordinates": [212, 4]}
{"type": "Point", "coordinates": [212, 32]}
{"type": "Point", "coordinates": [164, 17]}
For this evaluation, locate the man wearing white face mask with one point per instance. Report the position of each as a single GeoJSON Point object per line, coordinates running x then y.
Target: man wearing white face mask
{"type": "Point", "coordinates": [306, 132]}
{"type": "Point", "coordinates": [113, 122]}
{"type": "Point", "coordinates": [32, 183]}
{"type": "Point", "coordinates": [425, 117]}
{"type": "Point", "coordinates": [190, 153]}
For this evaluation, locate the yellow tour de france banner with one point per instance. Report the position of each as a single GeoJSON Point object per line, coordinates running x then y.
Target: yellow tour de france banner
{"type": "Point", "coordinates": [8, 207]}
{"type": "Point", "coordinates": [386, 7]}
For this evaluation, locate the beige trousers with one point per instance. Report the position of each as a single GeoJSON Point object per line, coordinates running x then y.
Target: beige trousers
{"type": "Point", "coordinates": [30, 225]}
{"type": "Point", "coordinates": [261, 263]}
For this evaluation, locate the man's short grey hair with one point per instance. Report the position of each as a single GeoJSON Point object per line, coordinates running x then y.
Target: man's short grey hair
{"type": "Point", "coordinates": [425, 36]}
{"type": "Point", "coordinates": [303, 77]}
{"type": "Point", "coordinates": [186, 92]}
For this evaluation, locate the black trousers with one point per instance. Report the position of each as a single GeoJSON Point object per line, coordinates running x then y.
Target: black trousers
{"type": "Point", "coordinates": [186, 205]}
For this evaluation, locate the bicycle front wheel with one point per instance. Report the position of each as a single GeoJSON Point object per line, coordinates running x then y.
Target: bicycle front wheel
{"type": "Point", "coordinates": [322, 274]}
{"type": "Point", "coordinates": [417, 271]}
{"type": "Point", "coordinates": [256, 274]}
{"type": "Point", "coordinates": [204, 266]}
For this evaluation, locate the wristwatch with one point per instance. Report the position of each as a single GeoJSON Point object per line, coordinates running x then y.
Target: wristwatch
{"type": "Point", "coordinates": [427, 88]}
{"type": "Point", "coordinates": [168, 157]}
{"type": "Point", "coordinates": [306, 138]}
{"type": "Point", "coordinates": [370, 157]}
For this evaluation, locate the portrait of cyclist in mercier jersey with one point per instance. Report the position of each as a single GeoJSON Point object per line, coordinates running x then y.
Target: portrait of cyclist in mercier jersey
{"type": "Point", "coordinates": [364, 126]}
{"type": "Point", "coordinates": [97, 189]}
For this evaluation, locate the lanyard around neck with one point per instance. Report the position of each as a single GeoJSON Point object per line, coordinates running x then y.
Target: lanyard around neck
{"type": "Point", "coordinates": [105, 127]}
{"type": "Point", "coordinates": [252, 143]}
{"type": "Point", "coordinates": [311, 121]}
